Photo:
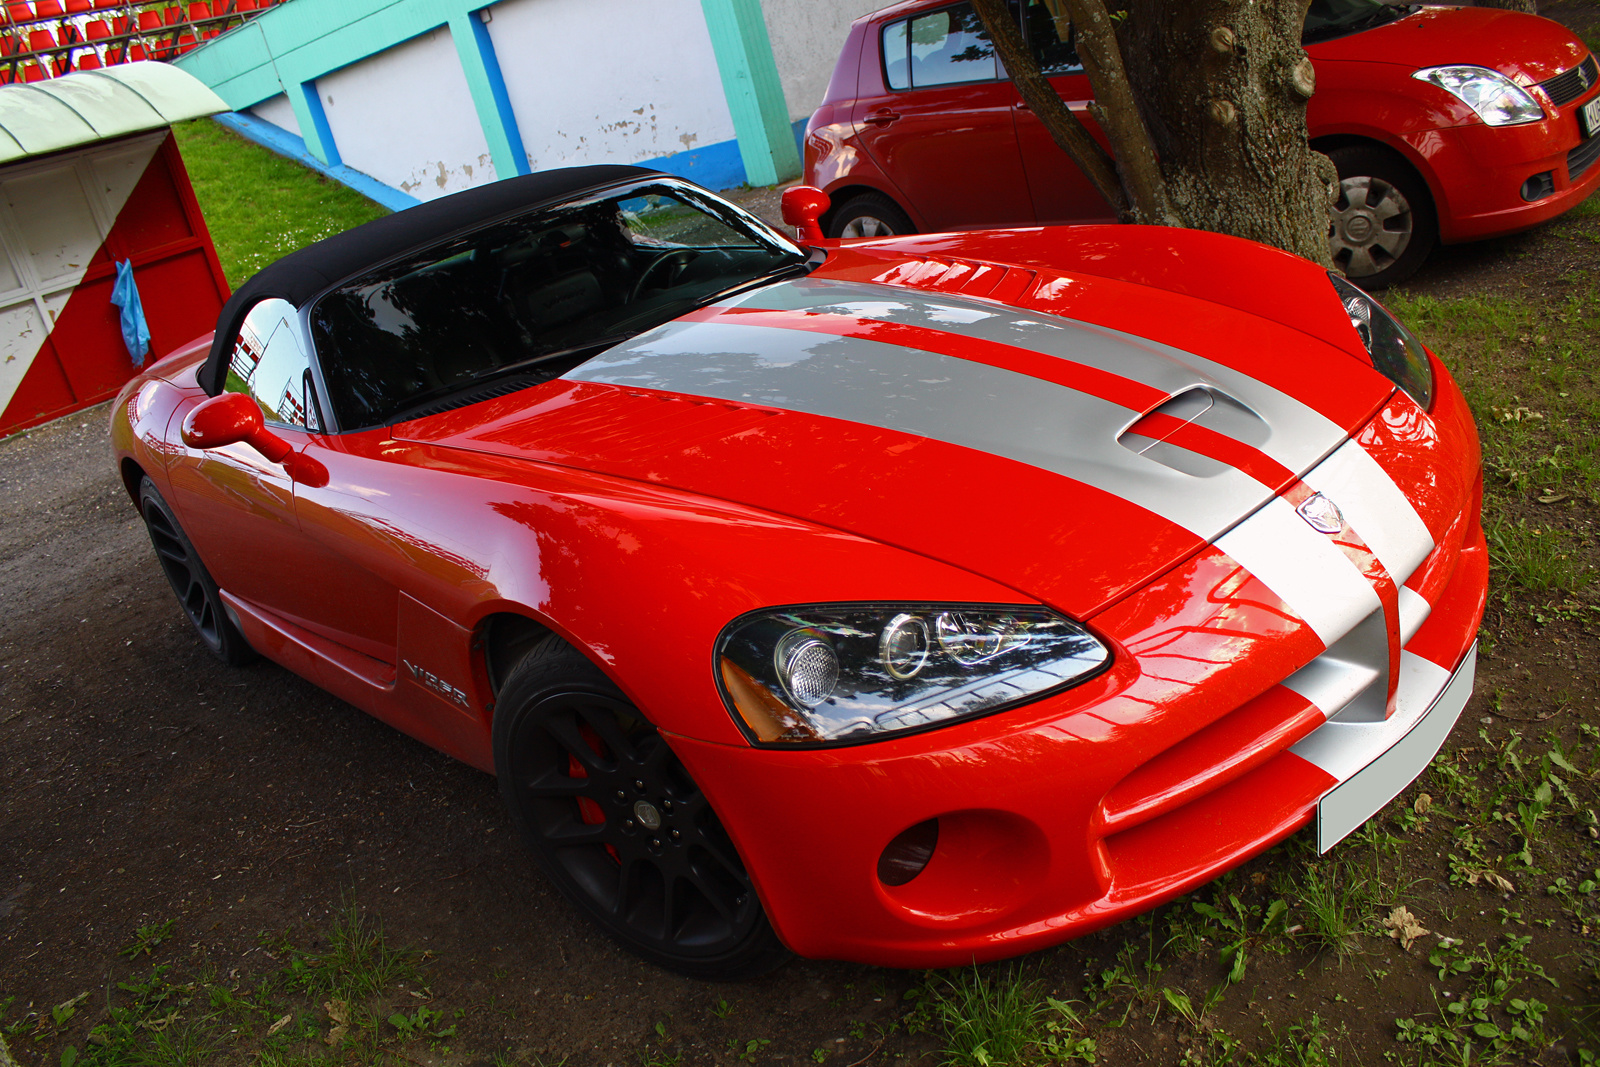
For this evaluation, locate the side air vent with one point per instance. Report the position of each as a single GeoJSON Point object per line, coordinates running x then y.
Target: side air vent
{"type": "Point", "coordinates": [1203, 406]}
{"type": "Point", "coordinates": [966, 277]}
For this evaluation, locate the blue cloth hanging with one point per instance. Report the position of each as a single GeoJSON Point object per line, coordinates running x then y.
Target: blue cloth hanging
{"type": "Point", "coordinates": [135, 331]}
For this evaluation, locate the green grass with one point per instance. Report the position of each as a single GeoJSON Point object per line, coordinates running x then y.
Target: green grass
{"type": "Point", "coordinates": [258, 205]}
{"type": "Point", "coordinates": [998, 1016]}
{"type": "Point", "coordinates": [325, 1005]}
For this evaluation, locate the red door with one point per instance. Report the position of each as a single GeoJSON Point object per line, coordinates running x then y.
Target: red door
{"type": "Point", "coordinates": [936, 117]}
{"type": "Point", "coordinates": [1059, 190]}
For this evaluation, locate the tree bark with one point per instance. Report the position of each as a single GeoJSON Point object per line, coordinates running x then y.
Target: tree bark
{"type": "Point", "coordinates": [1118, 114]}
{"type": "Point", "coordinates": [1068, 133]}
{"type": "Point", "coordinates": [1530, 6]}
{"type": "Point", "coordinates": [1223, 86]}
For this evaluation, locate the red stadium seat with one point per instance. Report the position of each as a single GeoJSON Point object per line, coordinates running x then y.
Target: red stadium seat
{"type": "Point", "coordinates": [149, 20]}
{"type": "Point", "coordinates": [96, 30]}
{"type": "Point", "coordinates": [41, 40]}
{"type": "Point", "coordinates": [32, 72]}
{"type": "Point", "coordinates": [47, 9]}
{"type": "Point", "coordinates": [79, 7]}
{"type": "Point", "coordinates": [88, 59]}
{"type": "Point", "coordinates": [20, 12]}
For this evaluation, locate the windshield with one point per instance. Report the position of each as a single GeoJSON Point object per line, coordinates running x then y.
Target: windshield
{"type": "Point", "coordinates": [1336, 18]}
{"type": "Point", "coordinates": [526, 299]}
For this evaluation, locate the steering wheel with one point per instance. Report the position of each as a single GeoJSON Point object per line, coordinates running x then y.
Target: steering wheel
{"type": "Point", "coordinates": [673, 260]}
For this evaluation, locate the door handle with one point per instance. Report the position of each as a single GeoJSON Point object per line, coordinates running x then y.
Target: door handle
{"type": "Point", "coordinates": [882, 117]}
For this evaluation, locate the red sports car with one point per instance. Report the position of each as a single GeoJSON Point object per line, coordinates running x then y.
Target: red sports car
{"type": "Point", "coordinates": [911, 601]}
{"type": "Point", "coordinates": [1446, 124]}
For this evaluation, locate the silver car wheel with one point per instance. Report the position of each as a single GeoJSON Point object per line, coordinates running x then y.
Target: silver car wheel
{"type": "Point", "coordinates": [867, 226]}
{"type": "Point", "coordinates": [1370, 225]}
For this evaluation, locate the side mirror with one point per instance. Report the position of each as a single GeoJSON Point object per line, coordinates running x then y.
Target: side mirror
{"type": "Point", "coordinates": [802, 206]}
{"type": "Point", "coordinates": [229, 418]}
{"type": "Point", "coordinates": [233, 417]}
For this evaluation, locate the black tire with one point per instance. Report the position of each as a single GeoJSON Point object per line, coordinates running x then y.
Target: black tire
{"type": "Point", "coordinates": [583, 774]}
{"type": "Point", "coordinates": [868, 215]}
{"type": "Point", "coordinates": [1383, 224]}
{"type": "Point", "coordinates": [191, 582]}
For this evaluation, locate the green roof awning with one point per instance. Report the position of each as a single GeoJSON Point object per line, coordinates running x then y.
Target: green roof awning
{"type": "Point", "coordinates": [96, 105]}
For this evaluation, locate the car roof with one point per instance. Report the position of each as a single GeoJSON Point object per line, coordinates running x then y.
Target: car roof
{"type": "Point", "coordinates": [304, 274]}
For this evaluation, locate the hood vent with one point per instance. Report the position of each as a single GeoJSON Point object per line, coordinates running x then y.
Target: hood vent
{"type": "Point", "coordinates": [1200, 405]}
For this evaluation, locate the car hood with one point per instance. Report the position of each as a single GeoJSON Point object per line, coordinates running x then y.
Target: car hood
{"type": "Point", "coordinates": [1526, 48]}
{"type": "Point", "coordinates": [1067, 459]}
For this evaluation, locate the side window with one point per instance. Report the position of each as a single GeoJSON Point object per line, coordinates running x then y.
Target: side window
{"type": "Point", "coordinates": [270, 365]}
{"type": "Point", "coordinates": [940, 48]}
{"type": "Point", "coordinates": [1050, 36]}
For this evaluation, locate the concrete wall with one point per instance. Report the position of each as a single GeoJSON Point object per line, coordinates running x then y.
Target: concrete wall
{"type": "Point", "coordinates": [405, 116]}
{"type": "Point", "coordinates": [806, 37]}
{"type": "Point", "coordinates": [407, 100]}
{"type": "Point", "coordinates": [645, 89]}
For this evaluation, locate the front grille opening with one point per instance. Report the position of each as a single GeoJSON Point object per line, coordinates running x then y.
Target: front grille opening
{"type": "Point", "coordinates": [1567, 86]}
{"type": "Point", "coordinates": [1350, 681]}
{"type": "Point", "coordinates": [1582, 158]}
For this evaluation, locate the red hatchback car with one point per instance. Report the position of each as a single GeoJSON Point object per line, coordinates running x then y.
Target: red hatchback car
{"type": "Point", "coordinates": [1446, 124]}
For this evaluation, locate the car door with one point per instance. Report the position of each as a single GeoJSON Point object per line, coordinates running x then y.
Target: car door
{"type": "Point", "coordinates": [1059, 191]}
{"type": "Point", "coordinates": [936, 117]}
{"type": "Point", "coordinates": [241, 509]}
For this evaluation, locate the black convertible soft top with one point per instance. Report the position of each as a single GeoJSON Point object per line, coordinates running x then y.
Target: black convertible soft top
{"type": "Point", "coordinates": [301, 275]}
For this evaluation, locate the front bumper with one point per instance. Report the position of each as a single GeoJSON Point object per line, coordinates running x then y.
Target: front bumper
{"type": "Point", "coordinates": [1205, 743]}
{"type": "Point", "coordinates": [1478, 173]}
{"type": "Point", "coordinates": [1039, 842]}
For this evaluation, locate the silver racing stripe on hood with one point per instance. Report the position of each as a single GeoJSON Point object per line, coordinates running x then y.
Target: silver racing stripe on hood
{"type": "Point", "coordinates": [1300, 435]}
{"type": "Point", "coordinates": [959, 401]}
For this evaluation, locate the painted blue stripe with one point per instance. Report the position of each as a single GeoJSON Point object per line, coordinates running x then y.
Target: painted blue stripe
{"type": "Point", "coordinates": [287, 144]}
{"type": "Point", "coordinates": [320, 128]}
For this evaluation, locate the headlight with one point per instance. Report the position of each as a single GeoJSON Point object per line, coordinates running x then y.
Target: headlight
{"type": "Point", "coordinates": [1497, 99]}
{"type": "Point", "coordinates": [855, 672]}
{"type": "Point", "coordinates": [1395, 351]}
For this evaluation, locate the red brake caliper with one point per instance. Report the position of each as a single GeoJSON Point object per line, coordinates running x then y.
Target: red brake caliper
{"type": "Point", "coordinates": [588, 810]}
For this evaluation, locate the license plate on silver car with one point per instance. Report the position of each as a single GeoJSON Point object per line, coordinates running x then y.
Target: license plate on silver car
{"type": "Point", "coordinates": [1589, 117]}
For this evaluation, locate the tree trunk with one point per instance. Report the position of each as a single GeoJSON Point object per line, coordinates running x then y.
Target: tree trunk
{"type": "Point", "coordinates": [1223, 86]}
{"type": "Point", "coordinates": [1063, 126]}
{"type": "Point", "coordinates": [1530, 6]}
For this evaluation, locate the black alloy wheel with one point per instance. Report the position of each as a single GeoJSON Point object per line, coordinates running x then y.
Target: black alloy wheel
{"type": "Point", "coordinates": [191, 582]}
{"type": "Point", "coordinates": [616, 822]}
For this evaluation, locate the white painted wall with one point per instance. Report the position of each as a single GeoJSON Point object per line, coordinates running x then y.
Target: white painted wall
{"type": "Point", "coordinates": [609, 81]}
{"type": "Point", "coordinates": [806, 37]}
{"type": "Point", "coordinates": [405, 117]}
{"type": "Point", "coordinates": [278, 111]}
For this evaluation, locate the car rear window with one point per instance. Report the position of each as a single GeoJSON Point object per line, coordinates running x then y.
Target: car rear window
{"type": "Point", "coordinates": [944, 47]}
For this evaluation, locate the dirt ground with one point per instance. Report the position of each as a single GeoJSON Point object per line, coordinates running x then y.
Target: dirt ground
{"type": "Point", "coordinates": [142, 782]}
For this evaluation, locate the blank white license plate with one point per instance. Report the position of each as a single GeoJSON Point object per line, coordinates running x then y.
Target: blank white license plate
{"type": "Point", "coordinates": [1589, 117]}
